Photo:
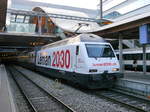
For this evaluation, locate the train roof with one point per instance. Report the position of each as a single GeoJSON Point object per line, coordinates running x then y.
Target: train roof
{"type": "Point", "coordinates": [89, 38]}
{"type": "Point", "coordinates": [75, 39]}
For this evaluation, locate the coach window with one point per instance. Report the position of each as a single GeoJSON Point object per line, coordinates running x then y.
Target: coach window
{"type": "Point", "coordinates": [140, 57]}
{"type": "Point", "coordinates": [135, 56]}
{"type": "Point", "coordinates": [132, 57]}
{"type": "Point", "coordinates": [129, 56]}
{"type": "Point", "coordinates": [125, 56]}
{"type": "Point", "coordinates": [148, 56]}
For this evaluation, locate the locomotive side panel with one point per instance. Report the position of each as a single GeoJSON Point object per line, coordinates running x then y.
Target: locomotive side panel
{"type": "Point", "coordinates": [61, 58]}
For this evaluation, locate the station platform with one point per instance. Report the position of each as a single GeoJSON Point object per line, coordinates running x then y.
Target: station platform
{"type": "Point", "coordinates": [6, 98]}
{"type": "Point", "coordinates": [135, 82]}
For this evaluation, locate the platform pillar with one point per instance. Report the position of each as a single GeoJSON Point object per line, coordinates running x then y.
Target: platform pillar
{"type": "Point", "coordinates": [39, 25]}
{"type": "Point", "coordinates": [101, 9]}
{"type": "Point", "coordinates": [3, 13]}
{"type": "Point", "coordinates": [36, 49]}
{"type": "Point", "coordinates": [120, 54]}
{"type": "Point", "coordinates": [144, 59]}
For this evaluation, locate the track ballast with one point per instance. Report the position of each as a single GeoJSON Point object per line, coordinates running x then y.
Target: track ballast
{"type": "Point", "coordinates": [39, 99]}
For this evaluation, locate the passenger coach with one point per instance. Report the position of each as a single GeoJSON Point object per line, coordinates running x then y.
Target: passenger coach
{"type": "Point", "coordinates": [129, 55]}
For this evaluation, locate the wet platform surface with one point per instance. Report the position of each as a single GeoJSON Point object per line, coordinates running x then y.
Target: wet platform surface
{"type": "Point", "coordinates": [138, 76]}
{"type": "Point", "coordinates": [6, 99]}
{"type": "Point", "coordinates": [136, 82]}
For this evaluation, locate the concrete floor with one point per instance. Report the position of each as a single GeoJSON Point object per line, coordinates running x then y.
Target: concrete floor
{"type": "Point", "coordinates": [6, 99]}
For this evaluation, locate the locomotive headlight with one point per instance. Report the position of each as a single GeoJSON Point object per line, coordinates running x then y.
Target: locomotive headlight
{"type": "Point", "coordinates": [115, 69]}
{"type": "Point", "coordinates": [92, 70]}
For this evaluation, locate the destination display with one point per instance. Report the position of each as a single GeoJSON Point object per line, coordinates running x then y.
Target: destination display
{"type": "Point", "coordinates": [144, 34]}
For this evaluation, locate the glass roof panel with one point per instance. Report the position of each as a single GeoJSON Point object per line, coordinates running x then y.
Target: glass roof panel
{"type": "Point", "coordinates": [20, 18]}
{"type": "Point", "coordinates": [122, 8]}
{"type": "Point", "coordinates": [135, 5]}
{"type": "Point", "coordinates": [112, 4]}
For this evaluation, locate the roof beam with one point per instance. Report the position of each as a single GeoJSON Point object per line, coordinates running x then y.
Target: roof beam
{"type": "Point", "coordinates": [61, 16]}
{"type": "Point", "coordinates": [124, 27]}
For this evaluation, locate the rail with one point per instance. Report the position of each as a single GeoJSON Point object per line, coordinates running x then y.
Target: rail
{"type": "Point", "coordinates": [36, 95]}
{"type": "Point", "coordinates": [130, 101]}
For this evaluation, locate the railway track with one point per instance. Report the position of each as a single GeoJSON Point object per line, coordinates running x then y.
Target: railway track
{"type": "Point", "coordinates": [133, 102]}
{"type": "Point", "coordinates": [122, 98]}
{"type": "Point", "coordinates": [21, 103]}
{"type": "Point", "coordinates": [39, 99]}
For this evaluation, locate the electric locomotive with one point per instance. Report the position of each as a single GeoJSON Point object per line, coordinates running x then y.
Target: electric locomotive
{"type": "Point", "coordinates": [86, 59]}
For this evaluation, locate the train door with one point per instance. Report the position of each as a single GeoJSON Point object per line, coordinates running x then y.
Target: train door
{"type": "Point", "coordinates": [80, 62]}
{"type": "Point", "coordinates": [77, 53]}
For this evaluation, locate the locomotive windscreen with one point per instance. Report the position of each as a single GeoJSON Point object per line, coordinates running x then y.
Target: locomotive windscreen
{"type": "Point", "coordinates": [99, 50]}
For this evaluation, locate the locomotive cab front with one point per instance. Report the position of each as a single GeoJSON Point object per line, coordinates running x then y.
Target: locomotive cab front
{"type": "Point", "coordinates": [98, 61]}
{"type": "Point", "coordinates": [101, 58]}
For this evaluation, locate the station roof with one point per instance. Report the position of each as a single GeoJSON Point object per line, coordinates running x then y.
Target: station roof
{"type": "Point", "coordinates": [129, 28]}
{"type": "Point", "coordinates": [25, 40]}
{"type": "Point", "coordinates": [125, 23]}
{"type": "Point", "coordinates": [119, 12]}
